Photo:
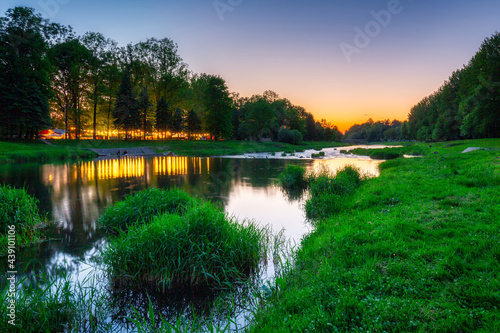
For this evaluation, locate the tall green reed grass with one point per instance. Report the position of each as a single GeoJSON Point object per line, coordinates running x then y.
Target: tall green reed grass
{"type": "Point", "coordinates": [204, 248]}
{"type": "Point", "coordinates": [143, 206]}
{"type": "Point", "coordinates": [293, 177]}
{"type": "Point", "coordinates": [329, 193]}
{"type": "Point", "coordinates": [19, 213]}
{"type": "Point", "coordinates": [57, 304]}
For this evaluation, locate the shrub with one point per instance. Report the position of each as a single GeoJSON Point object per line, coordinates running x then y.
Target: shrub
{"type": "Point", "coordinates": [293, 137]}
{"type": "Point", "coordinates": [293, 177]}
{"type": "Point", "coordinates": [143, 206]}
{"type": "Point", "coordinates": [19, 209]}
{"type": "Point", "coordinates": [329, 194]}
{"type": "Point", "coordinates": [203, 248]}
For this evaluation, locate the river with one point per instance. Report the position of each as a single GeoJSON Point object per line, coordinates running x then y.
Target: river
{"type": "Point", "coordinates": [74, 195]}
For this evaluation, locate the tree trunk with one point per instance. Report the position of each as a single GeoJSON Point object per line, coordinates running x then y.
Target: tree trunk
{"type": "Point", "coordinates": [95, 111]}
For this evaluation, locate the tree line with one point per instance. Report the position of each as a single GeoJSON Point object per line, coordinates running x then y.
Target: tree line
{"type": "Point", "coordinates": [50, 77]}
{"type": "Point", "coordinates": [372, 131]}
{"type": "Point", "coordinates": [467, 105]}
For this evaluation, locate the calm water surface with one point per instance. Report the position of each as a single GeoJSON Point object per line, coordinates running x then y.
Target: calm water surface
{"type": "Point", "coordinates": [75, 195]}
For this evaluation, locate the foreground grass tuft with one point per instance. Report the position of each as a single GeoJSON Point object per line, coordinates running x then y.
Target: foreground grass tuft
{"type": "Point", "coordinates": [203, 248]}
{"type": "Point", "coordinates": [55, 304]}
{"type": "Point", "coordinates": [143, 206]}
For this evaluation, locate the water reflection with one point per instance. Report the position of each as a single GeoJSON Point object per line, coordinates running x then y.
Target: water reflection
{"type": "Point", "coordinates": [75, 194]}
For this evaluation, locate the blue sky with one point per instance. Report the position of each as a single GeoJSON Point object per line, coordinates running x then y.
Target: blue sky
{"type": "Point", "coordinates": [294, 48]}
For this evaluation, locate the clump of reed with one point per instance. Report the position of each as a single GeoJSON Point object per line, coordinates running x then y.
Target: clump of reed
{"type": "Point", "coordinates": [143, 206]}
{"type": "Point", "coordinates": [19, 218]}
{"type": "Point", "coordinates": [293, 177]}
{"type": "Point", "coordinates": [329, 193]}
{"type": "Point", "coordinates": [204, 248]}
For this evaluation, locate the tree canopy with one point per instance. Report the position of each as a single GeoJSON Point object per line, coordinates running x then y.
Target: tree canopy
{"type": "Point", "coordinates": [90, 86]}
{"type": "Point", "coordinates": [467, 105]}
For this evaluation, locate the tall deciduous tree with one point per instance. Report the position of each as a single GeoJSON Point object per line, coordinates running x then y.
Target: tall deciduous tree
{"type": "Point", "coordinates": [260, 117]}
{"type": "Point", "coordinates": [467, 105]}
{"type": "Point", "coordinates": [100, 55]}
{"type": "Point", "coordinates": [24, 72]}
{"type": "Point", "coordinates": [126, 113]}
{"type": "Point", "coordinates": [178, 121]}
{"type": "Point", "coordinates": [193, 123]}
{"type": "Point", "coordinates": [144, 110]}
{"type": "Point", "coordinates": [218, 106]}
{"type": "Point", "coordinates": [163, 116]}
{"type": "Point", "coordinates": [70, 60]}
{"type": "Point", "coordinates": [112, 80]}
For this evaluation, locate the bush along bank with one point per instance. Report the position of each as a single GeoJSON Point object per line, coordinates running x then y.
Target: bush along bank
{"type": "Point", "coordinates": [391, 153]}
{"type": "Point", "coordinates": [20, 220]}
{"type": "Point", "coordinates": [329, 193]}
{"type": "Point", "coordinates": [417, 249]}
{"type": "Point", "coordinates": [142, 207]}
{"type": "Point", "coordinates": [200, 248]}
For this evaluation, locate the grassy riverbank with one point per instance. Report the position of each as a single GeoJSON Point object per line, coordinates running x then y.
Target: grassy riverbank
{"type": "Point", "coordinates": [415, 250]}
{"type": "Point", "coordinates": [198, 148]}
{"type": "Point", "coordinates": [421, 148]}
{"type": "Point", "coordinates": [61, 150]}
{"type": "Point", "coordinates": [37, 151]}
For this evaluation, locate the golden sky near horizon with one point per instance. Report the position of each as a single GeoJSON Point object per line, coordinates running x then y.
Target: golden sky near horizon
{"type": "Point", "coordinates": [404, 50]}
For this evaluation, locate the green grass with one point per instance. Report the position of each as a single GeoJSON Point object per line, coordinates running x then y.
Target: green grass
{"type": "Point", "coordinates": [422, 148]}
{"type": "Point", "coordinates": [391, 153]}
{"type": "Point", "coordinates": [143, 206]}
{"type": "Point", "coordinates": [198, 148]}
{"type": "Point", "coordinates": [56, 304]}
{"type": "Point", "coordinates": [37, 151]}
{"type": "Point", "coordinates": [329, 193]}
{"type": "Point", "coordinates": [204, 248]}
{"type": "Point", "coordinates": [415, 250]}
{"type": "Point", "coordinates": [20, 218]}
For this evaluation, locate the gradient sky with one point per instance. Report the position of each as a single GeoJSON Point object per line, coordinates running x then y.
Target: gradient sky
{"type": "Point", "coordinates": [294, 48]}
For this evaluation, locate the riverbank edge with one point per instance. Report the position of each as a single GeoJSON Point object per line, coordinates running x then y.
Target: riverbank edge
{"type": "Point", "coordinates": [62, 150]}
{"type": "Point", "coordinates": [39, 152]}
{"type": "Point", "coordinates": [355, 273]}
